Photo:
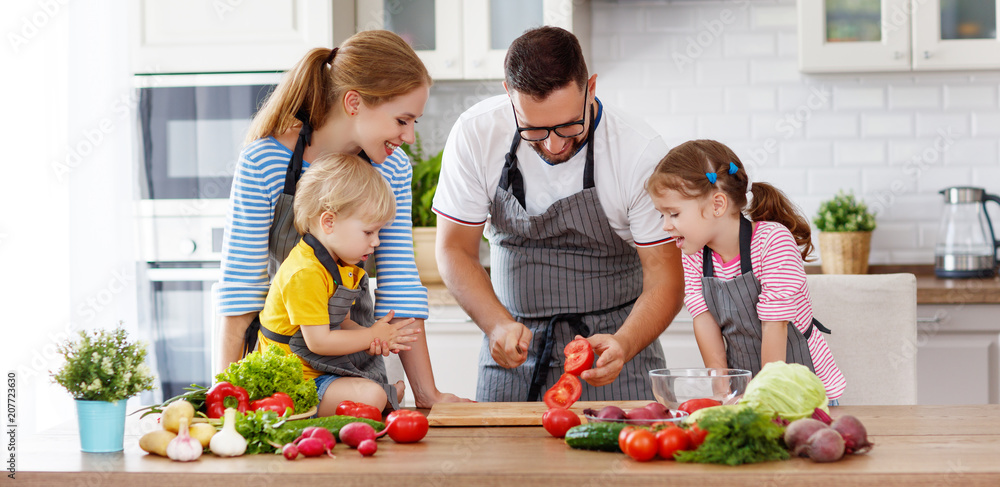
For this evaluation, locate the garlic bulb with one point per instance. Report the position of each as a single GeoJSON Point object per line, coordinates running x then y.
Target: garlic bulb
{"type": "Point", "coordinates": [184, 448]}
{"type": "Point", "coordinates": [228, 442]}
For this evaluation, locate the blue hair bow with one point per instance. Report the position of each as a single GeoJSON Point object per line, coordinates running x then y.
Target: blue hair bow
{"type": "Point", "coordinates": [712, 177]}
{"type": "Point", "coordinates": [733, 168]}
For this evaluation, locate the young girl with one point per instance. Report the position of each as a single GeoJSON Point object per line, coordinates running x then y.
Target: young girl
{"type": "Point", "coordinates": [340, 206]}
{"type": "Point", "coordinates": [744, 283]}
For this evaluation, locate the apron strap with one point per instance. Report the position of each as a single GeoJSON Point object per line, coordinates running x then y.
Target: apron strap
{"type": "Point", "coordinates": [510, 176]}
{"type": "Point", "coordinates": [324, 257]}
{"type": "Point", "coordinates": [818, 326]}
{"type": "Point", "coordinates": [543, 351]}
{"type": "Point", "coordinates": [250, 336]}
{"type": "Point", "coordinates": [588, 168]}
{"type": "Point", "coordinates": [295, 164]}
{"type": "Point", "coordinates": [746, 234]}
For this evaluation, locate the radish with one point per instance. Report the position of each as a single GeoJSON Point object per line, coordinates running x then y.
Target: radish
{"type": "Point", "coordinates": [367, 448]}
{"type": "Point", "coordinates": [854, 434]}
{"type": "Point", "coordinates": [311, 447]}
{"type": "Point", "coordinates": [290, 451]}
{"type": "Point", "coordinates": [322, 434]}
{"type": "Point", "coordinates": [353, 434]}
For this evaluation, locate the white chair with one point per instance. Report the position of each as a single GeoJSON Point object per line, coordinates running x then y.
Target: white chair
{"type": "Point", "coordinates": [874, 323]}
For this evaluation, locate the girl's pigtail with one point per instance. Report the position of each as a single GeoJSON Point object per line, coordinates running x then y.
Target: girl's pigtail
{"type": "Point", "coordinates": [770, 204]}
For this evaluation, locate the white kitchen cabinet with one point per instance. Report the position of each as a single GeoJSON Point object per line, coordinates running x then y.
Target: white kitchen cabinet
{"type": "Point", "coordinates": [897, 35]}
{"type": "Point", "coordinates": [958, 354]}
{"type": "Point", "coordinates": [195, 36]}
{"type": "Point", "coordinates": [467, 39]}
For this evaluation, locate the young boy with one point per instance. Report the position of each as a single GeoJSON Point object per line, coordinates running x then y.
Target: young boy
{"type": "Point", "coordinates": [340, 204]}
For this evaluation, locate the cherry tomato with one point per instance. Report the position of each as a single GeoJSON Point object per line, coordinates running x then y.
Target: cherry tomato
{"type": "Point", "coordinates": [406, 426]}
{"type": "Point", "coordinates": [579, 356]}
{"type": "Point", "coordinates": [696, 435]}
{"type": "Point", "coordinates": [557, 421]}
{"type": "Point", "coordinates": [641, 445]}
{"type": "Point", "coordinates": [564, 393]}
{"type": "Point", "coordinates": [670, 441]}
{"type": "Point", "coordinates": [693, 405]}
{"type": "Point", "coordinates": [623, 436]}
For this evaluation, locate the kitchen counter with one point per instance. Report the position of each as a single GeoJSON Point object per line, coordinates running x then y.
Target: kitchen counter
{"type": "Point", "coordinates": [930, 289]}
{"type": "Point", "coordinates": [914, 445]}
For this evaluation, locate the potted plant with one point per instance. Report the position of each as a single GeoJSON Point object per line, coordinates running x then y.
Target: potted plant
{"type": "Point", "coordinates": [845, 225]}
{"type": "Point", "coordinates": [103, 369]}
{"type": "Point", "coordinates": [426, 170]}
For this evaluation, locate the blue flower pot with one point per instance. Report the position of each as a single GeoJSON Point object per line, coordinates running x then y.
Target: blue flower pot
{"type": "Point", "coordinates": [102, 425]}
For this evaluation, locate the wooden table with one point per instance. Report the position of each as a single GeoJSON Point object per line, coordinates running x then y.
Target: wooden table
{"type": "Point", "coordinates": [914, 445]}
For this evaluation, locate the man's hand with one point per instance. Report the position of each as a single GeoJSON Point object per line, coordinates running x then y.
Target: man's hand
{"type": "Point", "coordinates": [609, 363]}
{"type": "Point", "coordinates": [509, 344]}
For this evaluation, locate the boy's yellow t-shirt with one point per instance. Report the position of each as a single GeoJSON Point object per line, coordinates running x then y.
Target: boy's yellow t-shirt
{"type": "Point", "coordinates": [298, 296]}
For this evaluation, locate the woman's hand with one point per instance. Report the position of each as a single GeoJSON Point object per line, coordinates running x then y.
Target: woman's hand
{"type": "Point", "coordinates": [609, 363]}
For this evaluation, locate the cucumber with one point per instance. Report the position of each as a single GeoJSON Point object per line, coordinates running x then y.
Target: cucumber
{"type": "Point", "coordinates": [290, 430]}
{"type": "Point", "coordinates": [595, 436]}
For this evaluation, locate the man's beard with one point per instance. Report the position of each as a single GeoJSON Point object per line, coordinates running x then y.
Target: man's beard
{"type": "Point", "coordinates": [561, 158]}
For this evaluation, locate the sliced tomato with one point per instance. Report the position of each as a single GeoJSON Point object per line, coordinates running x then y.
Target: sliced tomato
{"type": "Point", "coordinates": [579, 356]}
{"type": "Point", "coordinates": [564, 393]}
{"type": "Point", "coordinates": [693, 405]}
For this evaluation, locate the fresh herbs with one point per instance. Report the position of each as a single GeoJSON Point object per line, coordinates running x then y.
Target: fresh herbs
{"type": "Point", "coordinates": [736, 437]}
{"type": "Point", "coordinates": [844, 213]}
{"type": "Point", "coordinates": [262, 373]}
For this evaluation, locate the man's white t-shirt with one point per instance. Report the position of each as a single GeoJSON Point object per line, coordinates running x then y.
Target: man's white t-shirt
{"type": "Point", "coordinates": [626, 151]}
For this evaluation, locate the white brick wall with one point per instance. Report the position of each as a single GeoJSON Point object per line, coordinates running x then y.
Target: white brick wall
{"type": "Point", "coordinates": [729, 70]}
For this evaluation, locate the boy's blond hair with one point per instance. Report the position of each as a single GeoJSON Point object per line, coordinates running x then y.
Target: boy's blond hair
{"type": "Point", "coordinates": [345, 185]}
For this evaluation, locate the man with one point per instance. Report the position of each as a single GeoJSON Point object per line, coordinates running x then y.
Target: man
{"type": "Point", "coordinates": [576, 245]}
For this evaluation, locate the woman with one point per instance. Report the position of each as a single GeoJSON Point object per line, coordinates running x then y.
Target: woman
{"type": "Point", "coordinates": [364, 98]}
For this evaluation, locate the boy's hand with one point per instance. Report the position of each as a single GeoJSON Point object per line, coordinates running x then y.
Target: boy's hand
{"type": "Point", "coordinates": [393, 336]}
{"type": "Point", "coordinates": [378, 348]}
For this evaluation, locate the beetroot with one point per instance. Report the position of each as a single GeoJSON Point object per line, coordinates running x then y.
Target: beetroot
{"type": "Point", "coordinates": [367, 448]}
{"type": "Point", "coordinates": [613, 413]}
{"type": "Point", "coordinates": [821, 415]}
{"type": "Point", "coordinates": [354, 433]}
{"type": "Point", "coordinates": [661, 411]}
{"type": "Point", "coordinates": [798, 432]}
{"type": "Point", "coordinates": [641, 414]}
{"type": "Point", "coordinates": [854, 434]}
{"type": "Point", "coordinates": [825, 445]}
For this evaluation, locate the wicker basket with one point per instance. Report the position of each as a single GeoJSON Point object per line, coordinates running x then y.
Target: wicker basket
{"type": "Point", "coordinates": [845, 252]}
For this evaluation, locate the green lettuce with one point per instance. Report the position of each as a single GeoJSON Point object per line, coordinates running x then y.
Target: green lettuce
{"type": "Point", "coordinates": [791, 391]}
{"type": "Point", "coordinates": [264, 372]}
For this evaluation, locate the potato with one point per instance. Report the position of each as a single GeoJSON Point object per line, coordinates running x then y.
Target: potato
{"type": "Point", "coordinates": [156, 442]}
{"type": "Point", "coordinates": [202, 432]}
{"type": "Point", "coordinates": [171, 418]}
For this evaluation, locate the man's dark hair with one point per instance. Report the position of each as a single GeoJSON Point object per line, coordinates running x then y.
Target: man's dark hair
{"type": "Point", "coordinates": [543, 60]}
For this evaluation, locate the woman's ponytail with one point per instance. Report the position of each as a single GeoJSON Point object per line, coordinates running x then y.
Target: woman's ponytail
{"type": "Point", "coordinates": [305, 87]}
{"type": "Point", "coordinates": [770, 204]}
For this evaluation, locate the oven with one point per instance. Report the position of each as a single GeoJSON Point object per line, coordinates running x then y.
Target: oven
{"type": "Point", "coordinates": [189, 132]}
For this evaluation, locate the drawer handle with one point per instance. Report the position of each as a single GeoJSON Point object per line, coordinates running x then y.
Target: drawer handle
{"type": "Point", "coordinates": [932, 319]}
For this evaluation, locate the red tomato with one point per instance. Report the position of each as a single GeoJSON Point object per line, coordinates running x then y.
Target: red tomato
{"type": "Point", "coordinates": [358, 410]}
{"type": "Point", "coordinates": [693, 405]}
{"type": "Point", "coordinates": [579, 356]}
{"type": "Point", "coordinates": [406, 426]}
{"type": "Point", "coordinates": [670, 441]}
{"type": "Point", "coordinates": [623, 437]}
{"type": "Point", "coordinates": [557, 421]}
{"type": "Point", "coordinates": [564, 393]}
{"type": "Point", "coordinates": [696, 435]}
{"type": "Point", "coordinates": [641, 445]}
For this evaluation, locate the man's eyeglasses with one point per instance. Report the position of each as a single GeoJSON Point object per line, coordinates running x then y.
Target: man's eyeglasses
{"type": "Point", "coordinates": [564, 130]}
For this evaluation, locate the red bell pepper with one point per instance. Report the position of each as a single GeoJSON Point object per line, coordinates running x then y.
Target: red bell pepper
{"type": "Point", "coordinates": [279, 403]}
{"type": "Point", "coordinates": [225, 395]}
{"type": "Point", "coordinates": [358, 410]}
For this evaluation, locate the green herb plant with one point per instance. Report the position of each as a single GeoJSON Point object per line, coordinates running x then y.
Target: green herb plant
{"type": "Point", "coordinates": [844, 213]}
{"type": "Point", "coordinates": [264, 372]}
{"type": "Point", "coordinates": [736, 437]}
{"type": "Point", "coordinates": [426, 170]}
{"type": "Point", "coordinates": [104, 365]}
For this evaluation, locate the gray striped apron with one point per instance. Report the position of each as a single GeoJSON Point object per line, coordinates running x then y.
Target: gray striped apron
{"type": "Point", "coordinates": [282, 238]}
{"type": "Point", "coordinates": [733, 304]}
{"type": "Point", "coordinates": [561, 273]}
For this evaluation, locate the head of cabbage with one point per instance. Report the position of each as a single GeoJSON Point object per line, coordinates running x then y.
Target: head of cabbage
{"type": "Point", "coordinates": [791, 391]}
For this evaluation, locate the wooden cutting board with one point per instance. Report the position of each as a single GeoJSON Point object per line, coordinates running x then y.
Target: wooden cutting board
{"type": "Point", "coordinates": [508, 413]}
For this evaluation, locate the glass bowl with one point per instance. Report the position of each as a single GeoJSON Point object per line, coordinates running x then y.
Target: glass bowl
{"type": "Point", "coordinates": [673, 387]}
{"type": "Point", "coordinates": [676, 418]}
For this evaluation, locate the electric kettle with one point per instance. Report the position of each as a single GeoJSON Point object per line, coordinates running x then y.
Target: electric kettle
{"type": "Point", "coordinates": [966, 245]}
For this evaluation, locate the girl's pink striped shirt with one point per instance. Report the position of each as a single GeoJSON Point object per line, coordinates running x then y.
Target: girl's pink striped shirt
{"type": "Point", "coordinates": [777, 264]}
